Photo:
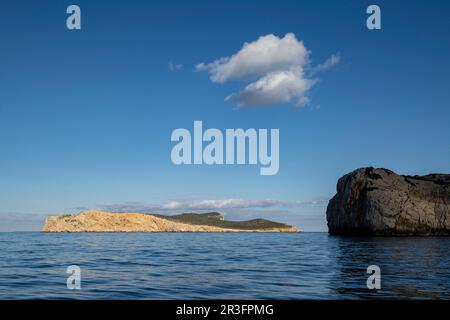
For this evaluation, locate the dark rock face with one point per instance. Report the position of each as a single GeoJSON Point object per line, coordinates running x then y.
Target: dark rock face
{"type": "Point", "coordinates": [380, 202]}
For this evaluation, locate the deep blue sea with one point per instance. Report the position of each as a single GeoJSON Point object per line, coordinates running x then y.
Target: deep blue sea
{"type": "Point", "coordinates": [221, 266]}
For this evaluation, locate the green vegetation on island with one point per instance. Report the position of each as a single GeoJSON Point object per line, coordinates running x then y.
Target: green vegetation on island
{"type": "Point", "coordinates": [216, 219]}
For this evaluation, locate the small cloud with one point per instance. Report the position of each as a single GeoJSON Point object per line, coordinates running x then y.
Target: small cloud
{"type": "Point", "coordinates": [175, 66]}
{"type": "Point", "coordinates": [81, 208]}
{"type": "Point", "coordinates": [129, 207]}
{"type": "Point", "coordinates": [328, 64]}
{"type": "Point", "coordinates": [274, 69]}
{"type": "Point", "coordinates": [314, 107]}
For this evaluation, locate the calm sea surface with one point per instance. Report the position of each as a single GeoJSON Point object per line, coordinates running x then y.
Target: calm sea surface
{"type": "Point", "coordinates": [221, 266]}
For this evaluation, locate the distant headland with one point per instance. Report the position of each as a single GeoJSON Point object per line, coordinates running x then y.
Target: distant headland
{"type": "Point", "coordinates": [102, 221]}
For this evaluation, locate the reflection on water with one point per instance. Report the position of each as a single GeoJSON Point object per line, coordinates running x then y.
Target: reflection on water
{"type": "Point", "coordinates": [221, 266]}
{"type": "Point", "coordinates": [411, 267]}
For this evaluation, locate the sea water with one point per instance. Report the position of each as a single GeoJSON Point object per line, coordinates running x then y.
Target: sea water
{"type": "Point", "coordinates": [221, 266]}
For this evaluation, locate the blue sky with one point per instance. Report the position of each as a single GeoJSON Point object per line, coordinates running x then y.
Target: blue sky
{"type": "Point", "coordinates": [86, 116]}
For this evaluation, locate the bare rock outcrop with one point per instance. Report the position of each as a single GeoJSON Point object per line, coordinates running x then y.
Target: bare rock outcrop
{"type": "Point", "coordinates": [102, 221]}
{"type": "Point", "coordinates": [380, 202]}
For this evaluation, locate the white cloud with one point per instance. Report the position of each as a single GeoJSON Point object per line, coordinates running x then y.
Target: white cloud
{"type": "Point", "coordinates": [217, 204]}
{"type": "Point", "coordinates": [329, 63]}
{"type": "Point", "coordinates": [207, 204]}
{"type": "Point", "coordinates": [274, 68]}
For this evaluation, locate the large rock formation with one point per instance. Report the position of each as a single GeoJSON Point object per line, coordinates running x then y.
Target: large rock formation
{"type": "Point", "coordinates": [101, 221]}
{"type": "Point", "coordinates": [379, 202]}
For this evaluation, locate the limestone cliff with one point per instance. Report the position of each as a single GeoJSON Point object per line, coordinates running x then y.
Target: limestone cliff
{"type": "Point", "coordinates": [379, 202]}
{"type": "Point", "coordinates": [101, 221]}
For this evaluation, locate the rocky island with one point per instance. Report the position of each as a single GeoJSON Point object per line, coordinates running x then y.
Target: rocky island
{"type": "Point", "coordinates": [373, 201]}
{"type": "Point", "coordinates": [102, 221]}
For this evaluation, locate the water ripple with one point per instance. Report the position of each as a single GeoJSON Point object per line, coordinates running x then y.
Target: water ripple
{"type": "Point", "coordinates": [221, 266]}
